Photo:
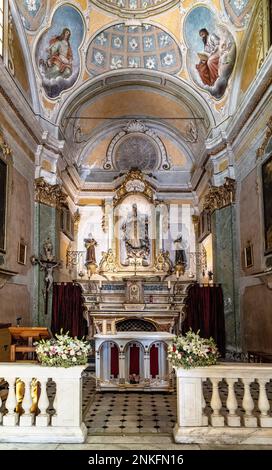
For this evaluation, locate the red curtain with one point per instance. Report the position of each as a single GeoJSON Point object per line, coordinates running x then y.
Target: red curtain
{"type": "Point", "coordinates": [205, 312]}
{"type": "Point", "coordinates": [67, 310]}
{"type": "Point", "coordinates": [154, 361]}
{"type": "Point", "coordinates": [114, 361]}
{"type": "Point", "coordinates": [134, 364]}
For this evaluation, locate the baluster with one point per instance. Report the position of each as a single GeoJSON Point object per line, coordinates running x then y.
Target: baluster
{"type": "Point", "coordinates": [27, 418]}
{"type": "Point", "coordinates": [250, 421]}
{"type": "Point", "coordinates": [232, 418]}
{"type": "Point", "coordinates": [43, 418]}
{"type": "Point", "coordinates": [11, 418]}
{"type": "Point", "coordinates": [216, 418]}
{"type": "Point", "coordinates": [204, 417]}
{"type": "Point", "coordinates": [263, 405]}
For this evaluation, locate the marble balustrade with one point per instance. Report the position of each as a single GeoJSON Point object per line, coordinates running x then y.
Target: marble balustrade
{"type": "Point", "coordinates": [233, 419]}
{"type": "Point", "coordinates": [26, 414]}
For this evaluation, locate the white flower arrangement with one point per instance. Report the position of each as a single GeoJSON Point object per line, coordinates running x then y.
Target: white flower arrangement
{"type": "Point", "coordinates": [192, 351]}
{"type": "Point", "coordinates": [62, 351]}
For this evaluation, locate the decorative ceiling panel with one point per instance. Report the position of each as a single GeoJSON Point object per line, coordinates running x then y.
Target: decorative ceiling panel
{"type": "Point", "coordinates": [135, 8]}
{"type": "Point", "coordinates": [239, 11]}
{"type": "Point", "coordinates": [32, 13]}
{"type": "Point", "coordinates": [121, 46]}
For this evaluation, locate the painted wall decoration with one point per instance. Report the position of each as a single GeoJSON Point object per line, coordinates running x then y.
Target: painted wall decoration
{"type": "Point", "coordinates": [123, 46]}
{"type": "Point", "coordinates": [16, 60]}
{"type": "Point", "coordinates": [57, 52]}
{"type": "Point", "coordinates": [239, 11]}
{"type": "Point", "coordinates": [32, 13]}
{"type": "Point", "coordinates": [267, 202]}
{"type": "Point", "coordinates": [135, 8]}
{"type": "Point", "coordinates": [211, 51]}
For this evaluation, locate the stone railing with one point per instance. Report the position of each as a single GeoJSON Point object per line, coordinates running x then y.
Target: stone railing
{"type": "Point", "coordinates": [224, 404]}
{"type": "Point", "coordinates": [41, 404]}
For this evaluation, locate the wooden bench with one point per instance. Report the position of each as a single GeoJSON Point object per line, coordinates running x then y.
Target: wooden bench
{"type": "Point", "coordinates": [23, 338]}
{"type": "Point", "coordinates": [259, 357]}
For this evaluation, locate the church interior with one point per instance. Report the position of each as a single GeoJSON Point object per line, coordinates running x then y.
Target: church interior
{"type": "Point", "coordinates": [135, 204]}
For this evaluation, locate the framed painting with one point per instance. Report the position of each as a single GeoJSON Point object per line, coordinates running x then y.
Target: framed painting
{"type": "Point", "coordinates": [267, 203]}
{"type": "Point", "coordinates": [248, 255]}
{"type": "Point", "coordinates": [3, 202]}
{"type": "Point", "coordinates": [22, 250]}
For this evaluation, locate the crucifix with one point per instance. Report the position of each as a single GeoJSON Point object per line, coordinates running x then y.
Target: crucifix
{"type": "Point", "coordinates": [47, 264]}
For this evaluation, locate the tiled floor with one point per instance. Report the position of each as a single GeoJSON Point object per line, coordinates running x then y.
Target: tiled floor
{"type": "Point", "coordinates": [125, 413]}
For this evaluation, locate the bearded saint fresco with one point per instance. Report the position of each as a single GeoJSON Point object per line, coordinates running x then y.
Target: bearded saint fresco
{"type": "Point", "coordinates": [57, 51]}
{"type": "Point", "coordinates": [211, 51]}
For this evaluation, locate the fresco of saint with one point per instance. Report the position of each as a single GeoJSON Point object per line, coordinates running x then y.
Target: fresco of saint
{"type": "Point", "coordinates": [209, 60]}
{"type": "Point", "coordinates": [60, 57]}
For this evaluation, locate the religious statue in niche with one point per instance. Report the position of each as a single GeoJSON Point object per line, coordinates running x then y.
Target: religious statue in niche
{"type": "Point", "coordinates": [135, 236]}
{"type": "Point", "coordinates": [180, 256]}
{"type": "Point", "coordinates": [108, 262]}
{"type": "Point", "coordinates": [163, 262]}
{"type": "Point", "coordinates": [90, 244]}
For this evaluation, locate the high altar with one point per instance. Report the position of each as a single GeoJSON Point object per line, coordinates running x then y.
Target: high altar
{"type": "Point", "coordinates": [134, 297]}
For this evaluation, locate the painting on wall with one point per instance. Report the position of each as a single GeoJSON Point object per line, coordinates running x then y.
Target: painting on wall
{"type": "Point", "coordinates": [3, 203]}
{"type": "Point", "coordinates": [267, 203]}
{"type": "Point", "coordinates": [32, 13]}
{"type": "Point", "coordinates": [211, 51]}
{"type": "Point", "coordinates": [57, 52]}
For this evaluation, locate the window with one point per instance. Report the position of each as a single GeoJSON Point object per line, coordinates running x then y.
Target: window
{"type": "Point", "coordinates": [1, 26]}
{"type": "Point", "coordinates": [67, 223]}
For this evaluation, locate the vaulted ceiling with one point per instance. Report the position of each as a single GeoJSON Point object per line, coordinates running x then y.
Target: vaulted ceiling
{"type": "Point", "coordinates": [112, 74]}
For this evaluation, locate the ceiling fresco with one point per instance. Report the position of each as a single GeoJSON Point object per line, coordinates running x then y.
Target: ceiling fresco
{"type": "Point", "coordinates": [135, 8]}
{"type": "Point", "coordinates": [32, 13]}
{"type": "Point", "coordinates": [123, 46]}
{"type": "Point", "coordinates": [211, 51]}
{"type": "Point", "coordinates": [57, 52]}
{"type": "Point", "coordinates": [170, 64]}
{"type": "Point", "coordinates": [239, 11]}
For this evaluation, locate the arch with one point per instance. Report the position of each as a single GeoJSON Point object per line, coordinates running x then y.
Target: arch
{"type": "Point", "coordinates": [157, 341]}
{"type": "Point", "coordinates": [108, 341]}
{"type": "Point", "coordinates": [27, 56]}
{"type": "Point", "coordinates": [156, 80]}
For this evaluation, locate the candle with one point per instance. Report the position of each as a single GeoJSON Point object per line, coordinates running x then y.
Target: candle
{"type": "Point", "coordinates": [100, 284]}
{"type": "Point", "coordinates": [169, 285]}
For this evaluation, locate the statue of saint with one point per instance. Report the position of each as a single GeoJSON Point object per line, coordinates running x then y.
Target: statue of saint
{"type": "Point", "coordinates": [136, 239]}
{"type": "Point", "coordinates": [90, 244]}
{"type": "Point", "coordinates": [48, 249]}
{"type": "Point", "coordinates": [180, 256]}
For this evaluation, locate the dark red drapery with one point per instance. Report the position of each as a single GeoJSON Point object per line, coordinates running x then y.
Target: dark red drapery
{"type": "Point", "coordinates": [67, 310]}
{"type": "Point", "coordinates": [134, 363]}
{"type": "Point", "coordinates": [154, 361]}
{"type": "Point", "coordinates": [114, 361]}
{"type": "Point", "coordinates": [205, 312]}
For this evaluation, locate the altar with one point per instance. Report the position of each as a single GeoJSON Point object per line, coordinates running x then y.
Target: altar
{"type": "Point", "coordinates": [138, 275]}
{"type": "Point", "coordinates": [133, 361]}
